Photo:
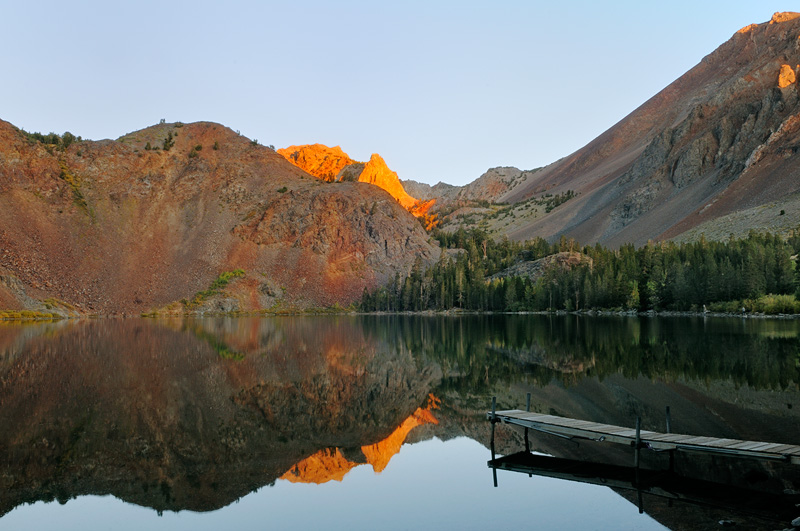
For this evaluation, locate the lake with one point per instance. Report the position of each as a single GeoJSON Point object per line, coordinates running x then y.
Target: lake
{"type": "Point", "coordinates": [379, 422]}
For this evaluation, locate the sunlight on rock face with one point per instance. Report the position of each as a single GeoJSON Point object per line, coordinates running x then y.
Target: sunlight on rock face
{"type": "Point", "coordinates": [334, 165]}
{"type": "Point", "coordinates": [786, 76]}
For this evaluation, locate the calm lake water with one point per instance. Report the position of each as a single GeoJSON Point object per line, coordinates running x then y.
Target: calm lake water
{"type": "Point", "coordinates": [380, 422]}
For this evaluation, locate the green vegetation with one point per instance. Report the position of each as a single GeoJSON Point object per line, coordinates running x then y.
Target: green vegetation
{"type": "Point", "coordinates": [552, 201]}
{"type": "Point", "coordinates": [28, 315]}
{"type": "Point", "coordinates": [168, 142]}
{"type": "Point", "coordinates": [757, 272]}
{"type": "Point", "coordinates": [77, 196]}
{"type": "Point", "coordinates": [216, 145]}
{"type": "Point", "coordinates": [220, 347]}
{"type": "Point", "coordinates": [220, 283]}
{"type": "Point", "coordinates": [60, 142]}
{"type": "Point", "coordinates": [282, 189]}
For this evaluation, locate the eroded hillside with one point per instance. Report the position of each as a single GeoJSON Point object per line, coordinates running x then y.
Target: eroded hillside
{"type": "Point", "coordinates": [156, 216]}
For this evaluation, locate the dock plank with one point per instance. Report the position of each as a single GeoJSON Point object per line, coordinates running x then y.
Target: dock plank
{"type": "Point", "coordinates": [570, 427]}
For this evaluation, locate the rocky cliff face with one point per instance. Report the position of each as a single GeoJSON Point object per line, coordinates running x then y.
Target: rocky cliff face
{"type": "Point", "coordinates": [720, 140]}
{"type": "Point", "coordinates": [128, 225]}
{"type": "Point", "coordinates": [334, 165]}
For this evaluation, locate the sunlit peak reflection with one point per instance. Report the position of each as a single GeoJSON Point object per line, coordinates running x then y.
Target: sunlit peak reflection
{"type": "Point", "coordinates": [331, 464]}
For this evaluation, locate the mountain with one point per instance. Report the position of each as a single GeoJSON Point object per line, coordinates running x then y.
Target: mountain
{"type": "Point", "coordinates": [189, 212]}
{"type": "Point", "coordinates": [334, 165]}
{"type": "Point", "coordinates": [708, 152]}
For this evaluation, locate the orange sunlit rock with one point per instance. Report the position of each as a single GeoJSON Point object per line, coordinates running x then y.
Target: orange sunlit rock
{"type": "Point", "coordinates": [422, 207]}
{"type": "Point", "coordinates": [378, 173]}
{"type": "Point", "coordinates": [333, 164]}
{"type": "Point", "coordinates": [319, 160]}
{"type": "Point", "coordinates": [329, 464]}
{"type": "Point", "coordinates": [779, 17]}
{"type": "Point", "coordinates": [786, 76]}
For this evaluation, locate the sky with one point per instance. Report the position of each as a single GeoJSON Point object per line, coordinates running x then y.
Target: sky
{"type": "Point", "coordinates": [442, 90]}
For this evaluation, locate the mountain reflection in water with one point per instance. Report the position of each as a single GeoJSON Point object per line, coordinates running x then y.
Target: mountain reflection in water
{"type": "Point", "coordinates": [196, 413]}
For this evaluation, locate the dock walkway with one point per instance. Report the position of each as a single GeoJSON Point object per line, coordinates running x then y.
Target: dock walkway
{"type": "Point", "coordinates": [573, 428]}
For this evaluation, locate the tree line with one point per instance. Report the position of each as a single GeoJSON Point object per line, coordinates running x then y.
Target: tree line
{"type": "Point", "coordinates": [756, 273]}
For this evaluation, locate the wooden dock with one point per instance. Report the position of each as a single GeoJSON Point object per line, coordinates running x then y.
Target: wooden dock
{"type": "Point", "coordinates": [581, 429]}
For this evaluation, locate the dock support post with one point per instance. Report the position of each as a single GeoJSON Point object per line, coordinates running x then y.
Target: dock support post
{"type": "Point", "coordinates": [527, 408]}
{"type": "Point", "coordinates": [669, 421]}
{"type": "Point", "coordinates": [636, 461]}
{"type": "Point", "coordinates": [494, 421]}
{"type": "Point", "coordinates": [671, 452]}
{"type": "Point", "coordinates": [638, 442]}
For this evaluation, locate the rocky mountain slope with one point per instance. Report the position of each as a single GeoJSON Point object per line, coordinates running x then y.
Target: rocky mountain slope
{"type": "Point", "coordinates": [158, 215]}
{"type": "Point", "coordinates": [722, 139]}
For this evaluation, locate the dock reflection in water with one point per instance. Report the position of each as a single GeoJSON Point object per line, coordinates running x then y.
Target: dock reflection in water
{"type": "Point", "coordinates": [751, 507]}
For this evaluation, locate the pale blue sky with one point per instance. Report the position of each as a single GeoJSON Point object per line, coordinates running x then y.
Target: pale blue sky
{"type": "Point", "coordinates": [442, 90]}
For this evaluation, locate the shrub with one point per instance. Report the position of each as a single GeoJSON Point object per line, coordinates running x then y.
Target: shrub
{"type": "Point", "coordinates": [219, 283]}
{"type": "Point", "coordinates": [216, 145]}
{"type": "Point", "coordinates": [282, 189]}
{"type": "Point", "coordinates": [775, 304]}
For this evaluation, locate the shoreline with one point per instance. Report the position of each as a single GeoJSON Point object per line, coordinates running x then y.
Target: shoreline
{"type": "Point", "coordinates": [449, 313]}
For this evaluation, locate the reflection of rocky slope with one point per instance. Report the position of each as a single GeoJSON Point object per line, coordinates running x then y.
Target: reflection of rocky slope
{"type": "Point", "coordinates": [168, 423]}
{"type": "Point", "coordinates": [114, 226]}
{"type": "Point", "coordinates": [331, 464]}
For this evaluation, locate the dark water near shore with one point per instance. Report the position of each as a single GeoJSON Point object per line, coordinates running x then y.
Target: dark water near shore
{"type": "Point", "coordinates": [375, 422]}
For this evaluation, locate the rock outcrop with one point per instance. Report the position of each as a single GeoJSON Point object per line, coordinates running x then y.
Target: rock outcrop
{"type": "Point", "coordinates": [318, 160]}
{"type": "Point", "coordinates": [155, 217]}
{"type": "Point", "coordinates": [535, 269]}
{"type": "Point", "coordinates": [786, 76]}
{"type": "Point", "coordinates": [334, 165]}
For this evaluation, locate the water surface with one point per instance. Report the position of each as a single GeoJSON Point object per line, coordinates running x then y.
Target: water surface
{"type": "Point", "coordinates": [371, 422]}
